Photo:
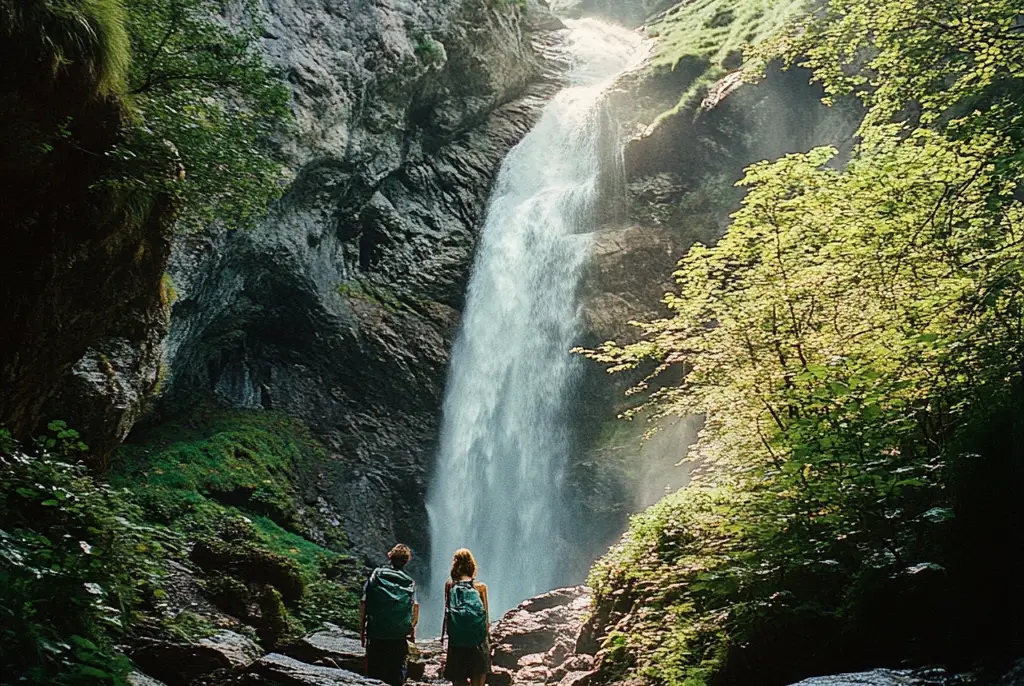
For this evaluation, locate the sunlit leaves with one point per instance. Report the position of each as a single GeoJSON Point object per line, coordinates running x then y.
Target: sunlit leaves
{"type": "Point", "coordinates": [834, 339]}
{"type": "Point", "coordinates": [943, 63]}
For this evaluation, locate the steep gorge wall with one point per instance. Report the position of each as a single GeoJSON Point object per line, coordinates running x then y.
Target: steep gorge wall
{"type": "Point", "coordinates": [340, 308]}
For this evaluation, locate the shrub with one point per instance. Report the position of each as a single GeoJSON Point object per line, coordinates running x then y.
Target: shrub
{"type": "Point", "coordinates": [429, 51]}
{"type": "Point", "coordinates": [74, 566]}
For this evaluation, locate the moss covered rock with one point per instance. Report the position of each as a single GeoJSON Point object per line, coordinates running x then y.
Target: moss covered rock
{"type": "Point", "coordinates": [244, 486]}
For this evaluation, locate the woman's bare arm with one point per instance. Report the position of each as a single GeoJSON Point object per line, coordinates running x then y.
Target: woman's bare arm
{"type": "Point", "coordinates": [482, 589]}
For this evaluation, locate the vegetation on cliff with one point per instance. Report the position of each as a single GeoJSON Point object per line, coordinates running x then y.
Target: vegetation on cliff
{"type": "Point", "coordinates": [854, 343]}
{"type": "Point", "coordinates": [697, 43]}
{"type": "Point", "coordinates": [242, 483]}
{"type": "Point", "coordinates": [85, 563]}
{"type": "Point", "coordinates": [202, 102]}
{"type": "Point", "coordinates": [197, 103]}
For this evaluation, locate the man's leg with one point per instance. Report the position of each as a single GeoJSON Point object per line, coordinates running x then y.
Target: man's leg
{"type": "Point", "coordinates": [385, 661]}
{"type": "Point", "coordinates": [397, 654]}
{"type": "Point", "coordinates": [374, 668]}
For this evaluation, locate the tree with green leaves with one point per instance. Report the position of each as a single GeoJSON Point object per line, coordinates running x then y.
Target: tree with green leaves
{"type": "Point", "coordinates": [199, 104]}
{"type": "Point", "coordinates": [204, 108]}
{"type": "Point", "coordinates": [943, 64]}
{"type": "Point", "coordinates": [848, 340]}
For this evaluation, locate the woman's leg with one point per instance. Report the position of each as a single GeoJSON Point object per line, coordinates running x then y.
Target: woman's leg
{"type": "Point", "coordinates": [478, 680]}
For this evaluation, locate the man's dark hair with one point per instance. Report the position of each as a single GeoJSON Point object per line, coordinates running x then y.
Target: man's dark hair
{"type": "Point", "coordinates": [400, 556]}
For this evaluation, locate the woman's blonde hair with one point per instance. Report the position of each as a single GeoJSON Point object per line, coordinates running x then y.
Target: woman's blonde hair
{"type": "Point", "coordinates": [463, 564]}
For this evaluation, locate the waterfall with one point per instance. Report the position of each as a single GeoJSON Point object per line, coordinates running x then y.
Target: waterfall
{"type": "Point", "coordinates": [506, 427]}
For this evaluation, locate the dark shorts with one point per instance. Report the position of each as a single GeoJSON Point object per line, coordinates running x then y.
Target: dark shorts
{"type": "Point", "coordinates": [385, 660]}
{"type": "Point", "coordinates": [467, 663]}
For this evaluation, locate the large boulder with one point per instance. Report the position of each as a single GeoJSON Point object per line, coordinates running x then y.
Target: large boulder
{"type": "Point", "coordinates": [280, 670]}
{"type": "Point", "coordinates": [888, 677]}
{"type": "Point", "coordinates": [236, 650]}
{"type": "Point", "coordinates": [178, 664]}
{"type": "Point", "coordinates": [333, 647]}
{"type": "Point", "coordinates": [535, 643]}
{"type": "Point", "coordinates": [140, 679]}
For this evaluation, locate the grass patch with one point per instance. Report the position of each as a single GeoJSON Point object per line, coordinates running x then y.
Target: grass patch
{"type": "Point", "coordinates": [709, 32]}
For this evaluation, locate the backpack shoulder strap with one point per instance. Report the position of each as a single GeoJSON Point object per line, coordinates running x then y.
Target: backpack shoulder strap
{"type": "Point", "coordinates": [374, 579]}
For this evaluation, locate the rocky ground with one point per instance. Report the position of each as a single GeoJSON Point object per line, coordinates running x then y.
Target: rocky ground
{"type": "Point", "coordinates": [545, 641]}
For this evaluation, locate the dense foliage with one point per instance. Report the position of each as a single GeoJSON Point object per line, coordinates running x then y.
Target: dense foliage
{"type": "Point", "coordinates": [84, 560]}
{"type": "Point", "coordinates": [75, 566]}
{"type": "Point", "coordinates": [205, 106]}
{"type": "Point", "coordinates": [854, 342]}
{"type": "Point", "coordinates": [197, 102]}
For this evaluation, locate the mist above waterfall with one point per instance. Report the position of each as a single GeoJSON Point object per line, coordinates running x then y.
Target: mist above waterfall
{"type": "Point", "coordinates": [506, 430]}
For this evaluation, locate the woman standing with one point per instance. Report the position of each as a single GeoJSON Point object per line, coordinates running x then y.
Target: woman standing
{"type": "Point", "coordinates": [467, 623]}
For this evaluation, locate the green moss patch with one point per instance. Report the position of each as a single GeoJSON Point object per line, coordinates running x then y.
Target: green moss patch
{"type": "Point", "coordinates": [705, 38]}
{"type": "Point", "coordinates": [188, 470]}
{"type": "Point", "coordinates": [237, 481]}
{"type": "Point", "coordinates": [382, 297]}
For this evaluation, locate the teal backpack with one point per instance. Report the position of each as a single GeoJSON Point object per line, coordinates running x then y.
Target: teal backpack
{"type": "Point", "coordinates": [467, 618]}
{"type": "Point", "coordinates": [390, 595]}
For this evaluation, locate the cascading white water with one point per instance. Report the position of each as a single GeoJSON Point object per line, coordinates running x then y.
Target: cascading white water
{"type": "Point", "coordinates": [497, 488]}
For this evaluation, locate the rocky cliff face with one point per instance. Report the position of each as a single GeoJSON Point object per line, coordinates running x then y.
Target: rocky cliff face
{"type": "Point", "coordinates": [681, 171]}
{"type": "Point", "coordinates": [341, 306]}
{"type": "Point", "coordinates": [80, 277]}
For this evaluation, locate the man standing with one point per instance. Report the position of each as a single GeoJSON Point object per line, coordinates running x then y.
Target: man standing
{"type": "Point", "coordinates": [387, 617]}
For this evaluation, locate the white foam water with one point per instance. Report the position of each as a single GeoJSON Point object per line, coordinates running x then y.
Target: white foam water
{"type": "Point", "coordinates": [506, 432]}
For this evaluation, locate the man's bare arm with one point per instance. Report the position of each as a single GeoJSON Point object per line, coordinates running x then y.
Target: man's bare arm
{"type": "Point", "coordinates": [362, 622]}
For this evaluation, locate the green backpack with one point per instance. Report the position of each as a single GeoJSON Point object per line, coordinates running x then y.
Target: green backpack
{"type": "Point", "coordinates": [467, 618]}
{"type": "Point", "coordinates": [390, 595]}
